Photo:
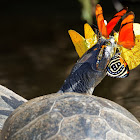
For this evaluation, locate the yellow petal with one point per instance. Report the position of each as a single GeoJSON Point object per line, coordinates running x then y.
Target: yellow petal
{"type": "Point", "coordinates": [132, 57]}
{"type": "Point", "coordinates": [90, 36]}
{"type": "Point", "coordinates": [79, 42]}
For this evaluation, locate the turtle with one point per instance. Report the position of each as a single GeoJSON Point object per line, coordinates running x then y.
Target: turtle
{"type": "Point", "coordinates": [72, 113]}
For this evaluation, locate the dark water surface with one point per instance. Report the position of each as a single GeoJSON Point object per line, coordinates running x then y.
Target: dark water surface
{"type": "Point", "coordinates": [36, 53]}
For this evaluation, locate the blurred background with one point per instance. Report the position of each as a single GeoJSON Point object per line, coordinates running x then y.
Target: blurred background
{"type": "Point", "coordinates": [36, 52]}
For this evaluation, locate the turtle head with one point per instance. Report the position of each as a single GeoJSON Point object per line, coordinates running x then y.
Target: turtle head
{"type": "Point", "coordinates": [90, 69]}
{"type": "Point", "coordinates": [106, 52]}
{"type": "Point", "coordinates": [100, 54]}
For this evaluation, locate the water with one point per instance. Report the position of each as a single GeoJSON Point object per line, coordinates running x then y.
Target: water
{"type": "Point", "coordinates": [36, 53]}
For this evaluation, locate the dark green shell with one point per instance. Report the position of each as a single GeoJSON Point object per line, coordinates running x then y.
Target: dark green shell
{"type": "Point", "coordinates": [71, 116]}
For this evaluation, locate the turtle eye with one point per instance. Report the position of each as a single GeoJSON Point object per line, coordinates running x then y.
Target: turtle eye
{"type": "Point", "coordinates": [100, 55]}
{"type": "Point", "coordinates": [108, 43]}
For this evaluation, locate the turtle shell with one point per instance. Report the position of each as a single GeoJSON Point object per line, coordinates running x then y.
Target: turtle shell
{"type": "Point", "coordinates": [71, 116]}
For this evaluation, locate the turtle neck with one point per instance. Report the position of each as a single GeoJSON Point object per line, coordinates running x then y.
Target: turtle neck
{"type": "Point", "coordinates": [85, 75]}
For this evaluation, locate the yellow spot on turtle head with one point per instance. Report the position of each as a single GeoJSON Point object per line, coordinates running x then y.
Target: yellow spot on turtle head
{"type": "Point", "coordinates": [95, 49]}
